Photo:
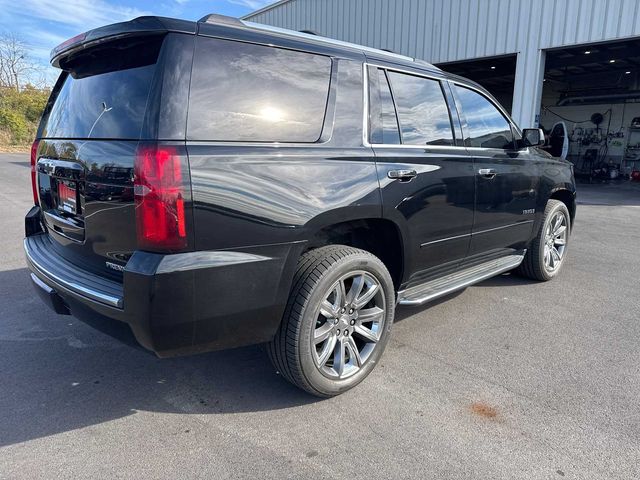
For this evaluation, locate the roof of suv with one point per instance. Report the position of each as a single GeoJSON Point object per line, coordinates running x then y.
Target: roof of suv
{"type": "Point", "coordinates": [153, 24]}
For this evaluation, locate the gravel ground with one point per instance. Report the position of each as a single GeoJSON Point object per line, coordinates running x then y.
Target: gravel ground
{"type": "Point", "coordinates": [506, 379]}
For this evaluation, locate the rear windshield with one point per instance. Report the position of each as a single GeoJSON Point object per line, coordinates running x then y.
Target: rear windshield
{"type": "Point", "coordinates": [103, 93]}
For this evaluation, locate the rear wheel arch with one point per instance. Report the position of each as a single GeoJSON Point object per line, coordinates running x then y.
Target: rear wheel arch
{"type": "Point", "coordinates": [379, 236]}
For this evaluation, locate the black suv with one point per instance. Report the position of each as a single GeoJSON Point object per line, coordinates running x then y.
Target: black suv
{"type": "Point", "coordinates": [219, 183]}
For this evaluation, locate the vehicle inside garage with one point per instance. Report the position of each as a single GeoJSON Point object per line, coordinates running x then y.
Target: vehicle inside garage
{"type": "Point", "coordinates": [591, 108]}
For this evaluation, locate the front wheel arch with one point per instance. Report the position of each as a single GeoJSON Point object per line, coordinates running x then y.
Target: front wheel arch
{"type": "Point", "coordinates": [568, 198]}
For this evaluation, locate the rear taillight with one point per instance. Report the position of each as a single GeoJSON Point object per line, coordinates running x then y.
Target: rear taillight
{"type": "Point", "coordinates": [161, 187]}
{"type": "Point", "coordinates": [34, 160]}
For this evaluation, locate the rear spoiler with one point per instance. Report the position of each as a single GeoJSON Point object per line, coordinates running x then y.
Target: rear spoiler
{"type": "Point", "coordinates": [136, 27]}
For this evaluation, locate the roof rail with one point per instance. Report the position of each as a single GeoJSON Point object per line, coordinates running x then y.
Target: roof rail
{"type": "Point", "coordinates": [294, 33]}
{"type": "Point", "coordinates": [221, 19]}
{"type": "Point", "coordinates": [420, 61]}
{"type": "Point", "coordinates": [214, 18]}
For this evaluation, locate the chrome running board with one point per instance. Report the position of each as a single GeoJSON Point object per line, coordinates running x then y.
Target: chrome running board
{"type": "Point", "coordinates": [426, 292]}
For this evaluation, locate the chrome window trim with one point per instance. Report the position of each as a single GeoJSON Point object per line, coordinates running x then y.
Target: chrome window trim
{"type": "Point", "coordinates": [493, 150]}
{"type": "Point", "coordinates": [365, 105]}
{"type": "Point", "coordinates": [227, 143]}
{"type": "Point", "coordinates": [403, 70]}
{"type": "Point", "coordinates": [365, 114]}
{"type": "Point", "coordinates": [414, 147]}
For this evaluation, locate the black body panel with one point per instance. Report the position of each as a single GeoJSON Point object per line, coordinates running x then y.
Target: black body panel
{"type": "Point", "coordinates": [180, 303]}
{"type": "Point", "coordinates": [105, 216]}
{"type": "Point", "coordinates": [435, 209]}
{"type": "Point", "coordinates": [506, 203]}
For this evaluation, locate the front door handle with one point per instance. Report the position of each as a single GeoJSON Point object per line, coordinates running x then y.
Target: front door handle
{"type": "Point", "coordinates": [402, 175]}
{"type": "Point", "coordinates": [487, 172]}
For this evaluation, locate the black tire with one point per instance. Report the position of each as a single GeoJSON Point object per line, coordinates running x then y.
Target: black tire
{"type": "Point", "coordinates": [318, 271]}
{"type": "Point", "coordinates": [533, 266]}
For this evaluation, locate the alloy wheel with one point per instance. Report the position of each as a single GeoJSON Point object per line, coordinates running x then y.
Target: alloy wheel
{"type": "Point", "coordinates": [555, 241]}
{"type": "Point", "coordinates": [349, 323]}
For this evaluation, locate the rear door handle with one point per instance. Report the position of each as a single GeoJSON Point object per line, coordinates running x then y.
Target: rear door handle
{"type": "Point", "coordinates": [402, 175]}
{"type": "Point", "coordinates": [487, 172]}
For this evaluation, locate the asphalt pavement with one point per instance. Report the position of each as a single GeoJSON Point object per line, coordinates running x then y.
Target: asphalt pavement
{"type": "Point", "coordinates": [507, 379]}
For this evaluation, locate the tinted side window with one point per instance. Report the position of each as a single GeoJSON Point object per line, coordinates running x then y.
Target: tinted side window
{"type": "Point", "coordinates": [246, 92]}
{"type": "Point", "coordinates": [384, 123]}
{"type": "Point", "coordinates": [486, 126]}
{"type": "Point", "coordinates": [422, 110]}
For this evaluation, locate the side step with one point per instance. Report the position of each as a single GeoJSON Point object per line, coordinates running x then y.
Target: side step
{"type": "Point", "coordinates": [439, 287]}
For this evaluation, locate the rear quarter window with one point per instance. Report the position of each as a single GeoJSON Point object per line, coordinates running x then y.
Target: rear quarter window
{"type": "Point", "coordinates": [382, 112]}
{"type": "Point", "coordinates": [254, 93]}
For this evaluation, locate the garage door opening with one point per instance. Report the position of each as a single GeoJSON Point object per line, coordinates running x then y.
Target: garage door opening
{"type": "Point", "coordinates": [496, 74]}
{"type": "Point", "coordinates": [591, 92]}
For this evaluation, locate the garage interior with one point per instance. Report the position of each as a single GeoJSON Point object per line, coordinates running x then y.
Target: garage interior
{"type": "Point", "coordinates": [593, 91]}
{"type": "Point", "coordinates": [590, 106]}
{"type": "Point", "coordinates": [496, 74]}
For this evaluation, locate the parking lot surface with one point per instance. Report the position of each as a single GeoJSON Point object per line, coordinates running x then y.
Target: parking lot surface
{"type": "Point", "coordinates": [507, 379]}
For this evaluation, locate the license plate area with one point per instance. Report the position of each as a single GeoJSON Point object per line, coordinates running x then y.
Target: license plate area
{"type": "Point", "coordinates": [67, 197]}
{"type": "Point", "coordinates": [61, 185]}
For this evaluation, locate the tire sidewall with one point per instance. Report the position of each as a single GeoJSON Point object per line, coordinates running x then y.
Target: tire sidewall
{"type": "Point", "coordinates": [364, 262]}
{"type": "Point", "coordinates": [549, 214]}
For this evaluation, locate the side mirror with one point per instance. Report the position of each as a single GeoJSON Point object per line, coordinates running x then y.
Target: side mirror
{"type": "Point", "coordinates": [532, 137]}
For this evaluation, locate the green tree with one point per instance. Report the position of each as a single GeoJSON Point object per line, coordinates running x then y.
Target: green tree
{"type": "Point", "coordinates": [20, 112]}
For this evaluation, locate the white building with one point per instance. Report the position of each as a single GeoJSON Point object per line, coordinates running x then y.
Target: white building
{"type": "Point", "coordinates": [543, 59]}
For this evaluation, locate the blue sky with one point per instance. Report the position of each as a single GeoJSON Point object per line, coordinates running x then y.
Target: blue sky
{"type": "Point", "coordinates": [43, 24]}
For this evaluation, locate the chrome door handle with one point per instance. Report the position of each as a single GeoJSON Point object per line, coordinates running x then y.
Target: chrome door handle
{"type": "Point", "coordinates": [487, 172]}
{"type": "Point", "coordinates": [402, 175]}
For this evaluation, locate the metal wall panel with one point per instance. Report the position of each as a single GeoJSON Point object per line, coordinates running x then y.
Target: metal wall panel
{"type": "Point", "coordinates": [450, 30]}
{"type": "Point", "coordinates": [447, 30]}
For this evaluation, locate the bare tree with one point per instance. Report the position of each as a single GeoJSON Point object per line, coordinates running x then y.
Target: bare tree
{"type": "Point", "coordinates": [15, 65]}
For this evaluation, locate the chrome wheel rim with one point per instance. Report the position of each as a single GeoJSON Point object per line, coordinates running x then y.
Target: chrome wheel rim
{"type": "Point", "coordinates": [555, 241]}
{"type": "Point", "coordinates": [349, 324]}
